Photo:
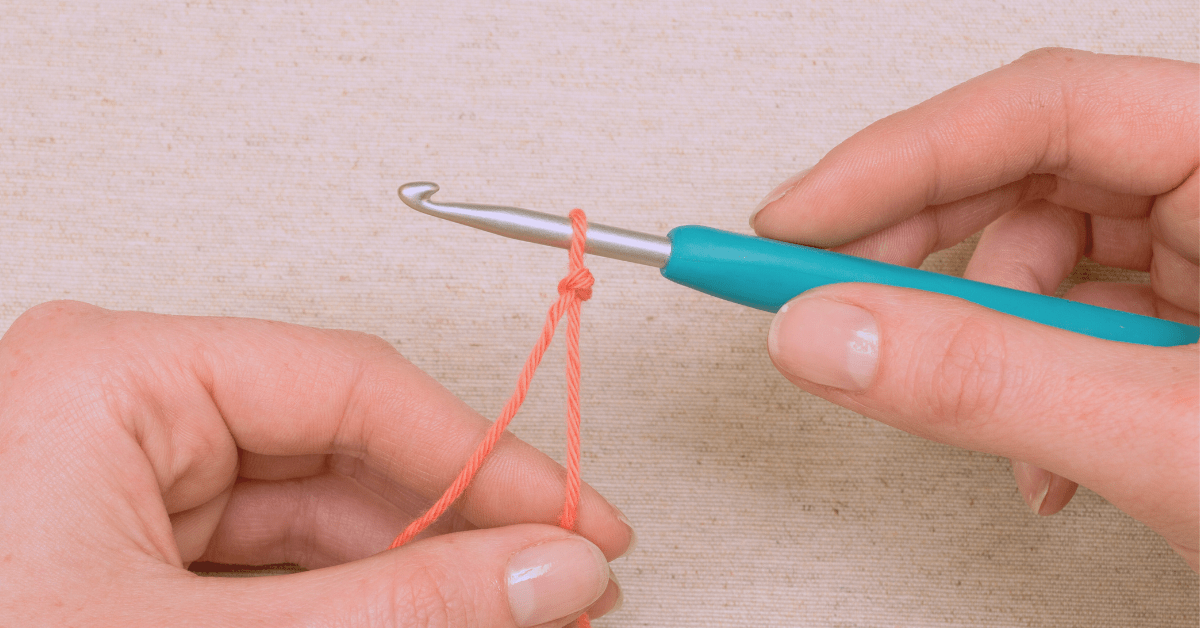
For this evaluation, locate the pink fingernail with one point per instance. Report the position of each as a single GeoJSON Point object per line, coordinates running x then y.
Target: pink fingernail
{"type": "Point", "coordinates": [611, 601]}
{"type": "Point", "coordinates": [1034, 482]}
{"type": "Point", "coordinates": [825, 342]}
{"type": "Point", "coordinates": [779, 192]}
{"type": "Point", "coordinates": [555, 580]}
{"type": "Point", "coordinates": [632, 533]}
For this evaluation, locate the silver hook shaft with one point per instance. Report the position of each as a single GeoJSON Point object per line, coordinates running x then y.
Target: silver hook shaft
{"type": "Point", "coordinates": [539, 228]}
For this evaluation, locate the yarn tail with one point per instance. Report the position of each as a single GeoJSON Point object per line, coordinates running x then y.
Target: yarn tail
{"type": "Point", "coordinates": [573, 290]}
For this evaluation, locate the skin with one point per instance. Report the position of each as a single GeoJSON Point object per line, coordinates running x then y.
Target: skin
{"type": "Point", "coordinates": [133, 444]}
{"type": "Point", "coordinates": [1059, 155]}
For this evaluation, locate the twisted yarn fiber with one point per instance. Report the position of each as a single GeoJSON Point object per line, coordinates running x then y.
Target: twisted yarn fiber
{"type": "Point", "coordinates": [573, 290]}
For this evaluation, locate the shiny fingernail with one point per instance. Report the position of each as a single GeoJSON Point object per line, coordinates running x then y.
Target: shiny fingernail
{"type": "Point", "coordinates": [632, 534]}
{"type": "Point", "coordinates": [555, 580]}
{"type": "Point", "coordinates": [779, 192]}
{"type": "Point", "coordinates": [825, 342]}
{"type": "Point", "coordinates": [1034, 483]}
{"type": "Point", "coordinates": [611, 601]}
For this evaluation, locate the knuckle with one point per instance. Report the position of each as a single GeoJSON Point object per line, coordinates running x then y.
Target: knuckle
{"type": "Point", "coordinates": [371, 341]}
{"type": "Point", "coordinates": [49, 317]}
{"type": "Point", "coordinates": [368, 344]}
{"type": "Point", "coordinates": [1050, 55]}
{"type": "Point", "coordinates": [367, 364]}
{"type": "Point", "coordinates": [970, 375]}
{"type": "Point", "coordinates": [377, 344]}
{"type": "Point", "coordinates": [64, 369]}
{"type": "Point", "coordinates": [423, 597]}
{"type": "Point", "coordinates": [53, 337]}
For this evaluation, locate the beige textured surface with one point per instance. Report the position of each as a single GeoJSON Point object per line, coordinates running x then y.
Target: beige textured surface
{"type": "Point", "coordinates": [242, 159]}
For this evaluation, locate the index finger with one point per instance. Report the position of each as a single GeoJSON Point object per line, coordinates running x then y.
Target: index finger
{"type": "Point", "coordinates": [190, 392]}
{"type": "Point", "coordinates": [1127, 125]}
{"type": "Point", "coordinates": [353, 393]}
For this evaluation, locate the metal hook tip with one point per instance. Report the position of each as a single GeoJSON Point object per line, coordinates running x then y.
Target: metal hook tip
{"type": "Point", "coordinates": [531, 226]}
{"type": "Point", "coordinates": [417, 193]}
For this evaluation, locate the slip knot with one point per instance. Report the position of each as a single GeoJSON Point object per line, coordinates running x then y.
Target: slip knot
{"type": "Point", "coordinates": [578, 281]}
{"type": "Point", "coordinates": [575, 287]}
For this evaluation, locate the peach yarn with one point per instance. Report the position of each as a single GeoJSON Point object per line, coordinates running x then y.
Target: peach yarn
{"type": "Point", "coordinates": [573, 290]}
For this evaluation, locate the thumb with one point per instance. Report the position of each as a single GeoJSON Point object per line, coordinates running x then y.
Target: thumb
{"type": "Point", "coordinates": [1116, 417]}
{"type": "Point", "coordinates": [521, 575]}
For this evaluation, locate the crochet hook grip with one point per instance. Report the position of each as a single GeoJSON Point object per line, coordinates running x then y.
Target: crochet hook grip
{"type": "Point", "coordinates": [765, 274]}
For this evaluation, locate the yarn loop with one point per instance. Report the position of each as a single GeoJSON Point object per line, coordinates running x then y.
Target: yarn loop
{"type": "Point", "coordinates": [573, 290]}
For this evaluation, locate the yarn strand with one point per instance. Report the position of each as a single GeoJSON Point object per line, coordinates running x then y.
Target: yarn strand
{"type": "Point", "coordinates": [573, 290]}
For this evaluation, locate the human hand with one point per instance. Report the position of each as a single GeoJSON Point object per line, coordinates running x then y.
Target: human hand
{"type": "Point", "coordinates": [134, 444]}
{"type": "Point", "coordinates": [1061, 154]}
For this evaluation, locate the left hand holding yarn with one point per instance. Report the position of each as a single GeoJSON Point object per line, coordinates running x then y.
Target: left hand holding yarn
{"type": "Point", "coordinates": [133, 444]}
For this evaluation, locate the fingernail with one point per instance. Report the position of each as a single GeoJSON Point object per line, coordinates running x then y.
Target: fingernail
{"type": "Point", "coordinates": [555, 580]}
{"type": "Point", "coordinates": [1034, 482]}
{"type": "Point", "coordinates": [825, 342]}
{"type": "Point", "coordinates": [611, 601]}
{"type": "Point", "coordinates": [1039, 497]}
{"type": "Point", "coordinates": [779, 192]}
{"type": "Point", "coordinates": [632, 534]}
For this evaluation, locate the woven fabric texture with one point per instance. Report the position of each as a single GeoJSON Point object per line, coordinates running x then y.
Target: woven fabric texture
{"type": "Point", "coordinates": [236, 158]}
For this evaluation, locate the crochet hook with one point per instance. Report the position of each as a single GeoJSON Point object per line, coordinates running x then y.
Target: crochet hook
{"type": "Point", "coordinates": [765, 274]}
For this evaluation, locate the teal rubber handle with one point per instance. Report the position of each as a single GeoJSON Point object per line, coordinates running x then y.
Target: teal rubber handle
{"type": "Point", "coordinates": [765, 274]}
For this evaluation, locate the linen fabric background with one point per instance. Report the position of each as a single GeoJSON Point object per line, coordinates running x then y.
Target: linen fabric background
{"type": "Point", "coordinates": [242, 159]}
